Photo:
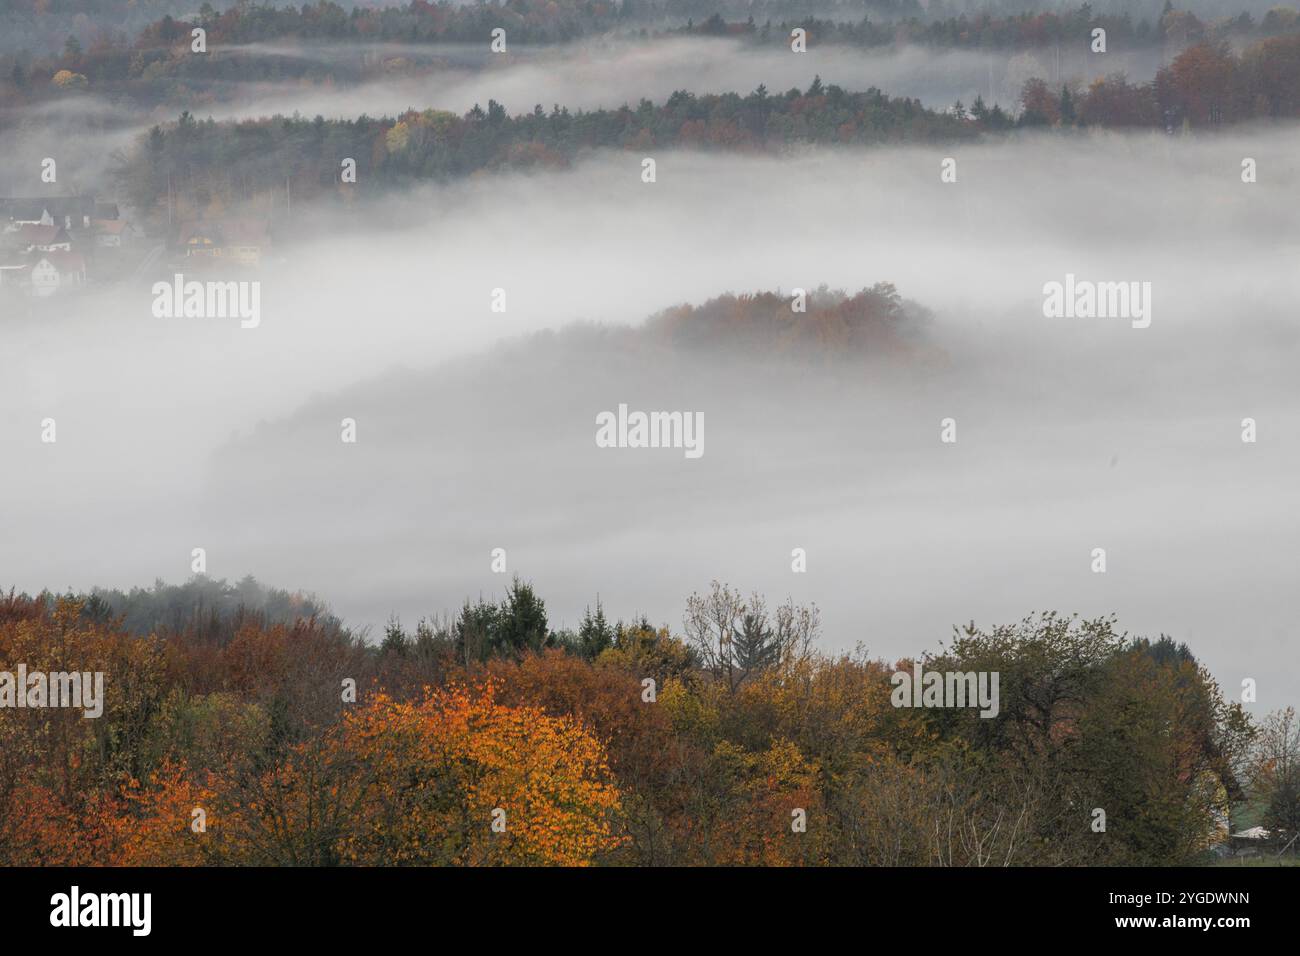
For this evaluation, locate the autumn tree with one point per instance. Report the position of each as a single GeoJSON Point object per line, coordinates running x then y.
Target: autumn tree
{"type": "Point", "coordinates": [1038, 106]}
{"type": "Point", "coordinates": [439, 772]}
{"type": "Point", "coordinates": [736, 638]}
{"type": "Point", "coordinates": [1277, 771]}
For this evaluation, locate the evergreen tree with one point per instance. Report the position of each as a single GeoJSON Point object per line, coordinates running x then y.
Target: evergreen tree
{"type": "Point", "coordinates": [595, 633]}
{"type": "Point", "coordinates": [395, 639]}
{"type": "Point", "coordinates": [474, 630]}
{"type": "Point", "coordinates": [521, 624]}
{"type": "Point", "coordinates": [1067, 107]}
{"type": "Point", "coordinates": [755, 645]}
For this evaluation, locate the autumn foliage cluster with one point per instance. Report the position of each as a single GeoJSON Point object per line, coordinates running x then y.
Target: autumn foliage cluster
{"type": "Point", "coordinates": [493, 740]}
{"type": "Point", "coordinates": [1206, 85]}
{"type": "Point", "coordinates": [389, 781]}
{"type": "Point", "coordinates": [829, 323]}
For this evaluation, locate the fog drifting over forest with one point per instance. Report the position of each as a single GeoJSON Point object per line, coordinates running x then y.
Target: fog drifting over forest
{"type": "Point", "coordinates": [91, 129]}
{"type": "Point", "coordinates": [610, 73]}
{"type": "Point", "coordinates": [1072, 433]}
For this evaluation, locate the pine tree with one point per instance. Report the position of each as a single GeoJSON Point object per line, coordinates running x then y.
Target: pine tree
{"type": "Point", "coordinates": [595, 633]}
{"type": "Point", "coordinates": [522, 621]}
{"type": "Point", "coordinates": [754, 644]}
{"type": "Point", "coordinates": [474, 630]}
{"type": "Point", "coordinates": [395, 640]}
{"type": "Point", "coordinates": [1067, 107]}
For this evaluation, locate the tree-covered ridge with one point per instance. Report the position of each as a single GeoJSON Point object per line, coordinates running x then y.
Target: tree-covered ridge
{"type": "Point", "coordinates": [263, 43]}
{"type": "Point", "coordinates": [619, 743]}
{"type": "Point", "coordinates": [1028, 30]}
{"type": "Point", "coordinates": [527, 21]}
{"type": "Point", "coordinates": [1206, 85]}
{"type": "Point", "coordinates": [235, 160]}
{"type": "Point", "coordinates": [200, 603]}
{"type": "Point", "coordinates": [793, 328]}
{"type": "Point", "coordinates": [821, 322]}
{"type": "Point", "coordinates": [156, 63]}
{"type": "Point", "coordinates": [45, 25]}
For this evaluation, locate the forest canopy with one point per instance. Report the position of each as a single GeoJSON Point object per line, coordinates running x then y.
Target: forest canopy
{"type": "Point", "coordinates": [612, 743]}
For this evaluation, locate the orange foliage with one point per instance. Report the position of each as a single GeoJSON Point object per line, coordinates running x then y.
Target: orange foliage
{"type": "Point", "coordinates": [157, 827]}
{"type": "Point", "coordinates": [440, 767]}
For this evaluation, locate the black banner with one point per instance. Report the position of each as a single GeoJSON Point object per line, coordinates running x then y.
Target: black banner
{"type": "Point", "coordinates": [336, 906]}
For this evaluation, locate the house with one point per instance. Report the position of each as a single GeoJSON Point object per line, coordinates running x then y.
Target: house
{"type": "Point", "coordinates": [67, 211]}
{"type": "Point", "coordinates": [55, 271]}
{"type": "Point", "coordinates": [35, 237]}
{"type": "Point", "coordinates": [238, 241]}
{"type": "Point", "coordinates": [111, 233]}
{"type": "Point", "coordinates": [19, 212]}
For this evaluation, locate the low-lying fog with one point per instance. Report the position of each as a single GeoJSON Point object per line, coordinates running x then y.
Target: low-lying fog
{"type": "Point", "coordinates": [84, 131]}
{"type": "Point", "coordinates": [1072, 434]}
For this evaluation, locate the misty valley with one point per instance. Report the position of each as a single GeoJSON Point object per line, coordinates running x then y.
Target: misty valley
{"type": "Point", "coordinates": [355, 361]}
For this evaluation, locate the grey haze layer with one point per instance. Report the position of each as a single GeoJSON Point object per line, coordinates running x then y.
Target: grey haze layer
{"type": "Point", "coordinates": [1073, 434]}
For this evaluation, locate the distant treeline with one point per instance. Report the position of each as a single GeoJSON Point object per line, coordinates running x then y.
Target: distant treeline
{"type": "Point", "coordinates": [1015, 31]}
{"type": "Point", "coordinates": [257, 43]}
{"type": "Point", "coordinates": [201, 605]}
{"type": "Point", "coordinates": [729, 741]}
{"type": "Point", "coordinates": [207, 162]}
{"type": "Point", "coordinates": [811, 327]}
{"type": "Point", "coordinates": [821, 323]}
{"type": "Point", "coordinates": [45, 25]}
{"type": "Point", "coordinates": [1205, 86]}
{"type": "Point", "coordinates": [229, 161]}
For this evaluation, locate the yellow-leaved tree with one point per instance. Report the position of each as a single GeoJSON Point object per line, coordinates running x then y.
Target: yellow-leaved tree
{"type": "Point", "coordinates": [458, 778]}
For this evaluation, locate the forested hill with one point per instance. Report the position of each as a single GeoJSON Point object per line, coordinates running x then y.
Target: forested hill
{"type": "Point", "coordinates": [1204, 87]}
{"type": "Point", "coordinates": [201, 605]}
{"type": "Point", "coordinates": [827, 324]}
{"type": "Point", "coordinates": [233, 160]}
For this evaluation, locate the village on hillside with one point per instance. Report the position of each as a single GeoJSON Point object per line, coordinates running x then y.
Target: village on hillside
{"type": "Point", "coordinates": [50, 245]}
{"type": "Point", "coordinates": [66, 245]}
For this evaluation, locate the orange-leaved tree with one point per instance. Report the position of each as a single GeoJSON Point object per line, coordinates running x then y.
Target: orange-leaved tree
{"type": "Point", "coordinates": [441, 771]}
